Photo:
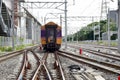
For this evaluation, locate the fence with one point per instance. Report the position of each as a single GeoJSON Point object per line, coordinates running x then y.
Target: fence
{"type": "Point", "coordinates": [7, 41]}
{"type": "Point", "coordinates": [102, 42]}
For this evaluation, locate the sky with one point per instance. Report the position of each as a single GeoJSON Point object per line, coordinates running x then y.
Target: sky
{"type": "Point", "coordinates": [84, 8]}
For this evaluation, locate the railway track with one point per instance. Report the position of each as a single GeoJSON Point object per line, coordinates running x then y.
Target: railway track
{"type": "Point", "coordinates": [84, 76]}
{"type": "Point", "coordinates": [10, 55]}
{"type": "Point", "coordinates": [115, 57]}
{"type": "Point", "coordinates": [103, 54]}
{"type": "Point", "coordinates": [24, 65]}
{"type": "Point", "coordinates": [15, 53]}
{"type": "Point", "coordinates": [45, 69]}
{"type": "Point", "coordinates": [97, 64]}
{"type": "Point", "coordinates": [40, 68]}
{"type": "Point", "coordinates": [48, 66]}
{"type": "Point", "coordinates": [98, 46]}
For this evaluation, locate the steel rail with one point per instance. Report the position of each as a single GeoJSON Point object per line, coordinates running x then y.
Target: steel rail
{"type": "Point", "coordinates": [23, 67]}
{"type": "Point", "coordinates": [15, 53]}
{"type": "Point", "coordinates": [42, 63]}
{"type": "Point", "coordinates": [25, 63]}
{"type": "Point", "coordinates": [103, 54]}
{"type": "Point", "coordinates": [106, 47]}
{"type": "Point", "coordinates": [60, 66]}
{"type": "Point", "coordinates": [101, 62]}
{"type": "Point", "coordinates": [110, 56]}
{"type": "Point", "coordinates": [36, 72]}
{"type": "Point", "coordinates": [91, 62]}
{"type": "Point", "coordinates": [100, 46]}
{"type": "Point", "coordinates": [10, 55]}
{"type": "Point", "coordinates": [86, 76]}
{"type": "Point", "coordinates": [37, 58]}
{"type": "Point", "coordinates": [96, 61]}
{"type": "Point", "coordinates": [48, 73]}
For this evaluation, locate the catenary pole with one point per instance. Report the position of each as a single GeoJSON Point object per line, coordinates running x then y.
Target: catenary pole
{"type": "Point", "coordinates": [12, 25]}
{"type": "Point", "coordinates": [109, 27]}
{"type": "Point", "coordinates": [118, 25]}
{"type": "Point", "coordinates": [65, 24]}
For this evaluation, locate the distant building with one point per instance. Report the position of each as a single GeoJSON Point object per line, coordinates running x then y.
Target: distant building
{"type": "Point", "coordinates": [112, 33]}
{"type": "Point", "coordinates": [6, 8]}
{"type": "Point", "coordinates": [96, 32]}
{"type": "Point", "coordinates": [113, 16]}
{"type": "Point", "coordinates": [30, 27]}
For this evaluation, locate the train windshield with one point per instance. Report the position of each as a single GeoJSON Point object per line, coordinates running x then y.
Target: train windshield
{"type": "Point", "coordinates": [51, 34]}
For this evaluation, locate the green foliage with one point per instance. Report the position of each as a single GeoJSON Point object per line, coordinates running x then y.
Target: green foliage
{"type": "Point", "coordinates": [103, 26]}
{"type": "Point", "coordinates": [20, 47]}
{"type": "Point", "coordinates": [114, 36]}
{"type": "Point", "coordinates": [29, 45]}
{"type": "Point", "coordinates": [6, 49]}
{"type": "Point", "coordinates": [114, 44]}
{"type": "Point", "coordinates": [100, 42]}
{"type": "Point", "coordinates": [9, 49]}
{"type": "Point", "coordinates": [93, 24]}
{"type": "Point", "coordinates": [2, 49]}
{"type": "Point", "coordinates": [86, 33]}
{"type": "Point", "coordinates": [21, 39]}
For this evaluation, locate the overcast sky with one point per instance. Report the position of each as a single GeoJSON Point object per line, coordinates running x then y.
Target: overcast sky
{"type": "Point", "coordinates": [75, 8]}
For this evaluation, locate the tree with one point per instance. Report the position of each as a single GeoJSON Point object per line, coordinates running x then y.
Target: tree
{"type": "Point", "coordinates": [86, 33]}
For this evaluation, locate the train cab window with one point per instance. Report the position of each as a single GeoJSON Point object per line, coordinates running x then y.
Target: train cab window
{"type": "Point", "coordinates": [51, 34]}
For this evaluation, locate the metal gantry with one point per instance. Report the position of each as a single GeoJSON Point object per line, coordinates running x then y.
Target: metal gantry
{"type": "Point", "coordinates": [105, 14]}
{"type": "Point", "coordinates": [55, 16]}
{"type": "Point", "coordinates": [43, 5]}
{"type": "Point", "coordinates": [50, 5]}
{"type": "Point", "coordinates": [76, 18]}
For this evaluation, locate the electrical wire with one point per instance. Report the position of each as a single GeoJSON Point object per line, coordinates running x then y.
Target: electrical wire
{"type": "Point", "coordinates": [88, 7]}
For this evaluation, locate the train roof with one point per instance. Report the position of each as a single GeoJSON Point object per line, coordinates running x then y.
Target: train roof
{"type": "Point", "coordinates": [51, 23]}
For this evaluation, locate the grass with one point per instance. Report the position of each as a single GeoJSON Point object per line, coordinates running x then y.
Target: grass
{"type": "Point", "coordinates": [9, 49]}
{"type": "Point", "coordinates": [5, 49]}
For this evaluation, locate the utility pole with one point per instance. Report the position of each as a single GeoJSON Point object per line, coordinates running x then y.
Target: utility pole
{"type": "Point", "coordinates": [72, 36]}
{"type": "Point", "coordinates": [109, 27]}
{"type": "Point", "coordinates": [12, 24]}
{"type": "Point", "coordinates": [65, 24]}
{"type": "Point", "coordinates": [103, 15]}
{"type": "Point", "coordinates": [117, 22]}
{"type": "Point", "coordinates": [77, 36]}
{"type": "Point", "coordinates": [118, 26]}
{"type": "Point", "coordinates": [60, 20]}
{"type": "Point", "coordinates": [93, 28]}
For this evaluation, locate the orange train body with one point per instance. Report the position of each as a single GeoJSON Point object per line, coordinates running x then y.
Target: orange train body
{"type": "Point", "coordinates": [51, 36]}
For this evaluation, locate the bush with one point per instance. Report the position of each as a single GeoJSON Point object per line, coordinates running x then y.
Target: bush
{"type": "Point", "coordinates": [2, 48]}
{"type": "Point", "coordinates": [114, 44]}
{"type": "Point", "coordinates": [100, 42]}
{"type": "Point", "coordinates": [19, 47]}
{"type": "Point", "coordinates": [6, 48]}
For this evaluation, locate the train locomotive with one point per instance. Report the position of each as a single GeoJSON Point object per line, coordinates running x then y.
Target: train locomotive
{"type": "Point", "coordinates": [51, 36]}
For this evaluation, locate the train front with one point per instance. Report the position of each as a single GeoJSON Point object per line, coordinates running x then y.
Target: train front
{"type": "Point", "coordinates": [52, 37]}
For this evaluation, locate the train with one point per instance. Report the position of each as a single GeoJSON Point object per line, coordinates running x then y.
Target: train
{"type": "Point", "coordinates": [51, 36]}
